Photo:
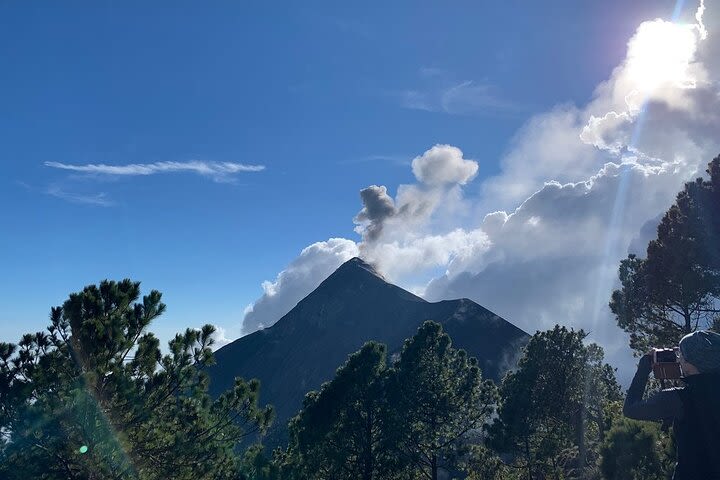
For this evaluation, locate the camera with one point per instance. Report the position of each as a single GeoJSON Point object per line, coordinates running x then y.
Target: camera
{"type": "Point", "coordinates": [666, 365]}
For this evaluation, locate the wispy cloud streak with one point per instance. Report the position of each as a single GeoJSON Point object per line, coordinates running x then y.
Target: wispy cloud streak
{"type": "Point", "coordinates": [461, 98]}
{"type": "Point", "coordinates": [97, 199]}
{"type": "Point", "coordinates": [216, 170]}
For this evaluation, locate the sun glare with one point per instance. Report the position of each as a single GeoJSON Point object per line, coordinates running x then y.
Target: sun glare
{"type": "Point", "coordinates": [660, 55]}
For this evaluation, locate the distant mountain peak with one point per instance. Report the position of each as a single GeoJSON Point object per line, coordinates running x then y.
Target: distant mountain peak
{"type": "Point", "coordinates": [357, 263]}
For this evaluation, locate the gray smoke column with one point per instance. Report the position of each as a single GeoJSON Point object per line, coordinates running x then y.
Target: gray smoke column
{"type": "Point", "coordinates": [378, 206]}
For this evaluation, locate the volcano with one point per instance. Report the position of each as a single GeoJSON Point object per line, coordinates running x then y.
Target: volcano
{"type": "Point", "coordinates": [355, 304]}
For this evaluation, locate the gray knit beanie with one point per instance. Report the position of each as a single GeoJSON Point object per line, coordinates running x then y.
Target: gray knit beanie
{"type": "Point", "coordinates": [702, 349]}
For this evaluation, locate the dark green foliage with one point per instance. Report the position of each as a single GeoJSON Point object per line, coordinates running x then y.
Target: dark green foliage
{"type": "Point", "coordinates": [438, 396]}
{"type": "Point", "coordinates": [256, 466]}
{"type": "Point", "coordinates": [676, 289]}
{"type": "Point", "coordinates": [341, 429]}
{"type": "Point", "coordinates": [484, 464]}
{"type": "Point", "coordinates": [553, 402]}
{"type": "Point", "coordinates": [94, 398]}
{"type": "Point", "coordinates": [632, 450]}
{"type": "Point", "coordinates": [405, 422]}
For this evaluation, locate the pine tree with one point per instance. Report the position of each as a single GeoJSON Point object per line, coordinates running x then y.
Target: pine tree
{"type": "Point", "coordinates": [94, 398]}
{"type": "Point", "coordinates": [340, 431]}
{"type": "Point", "coordinates": [484, 464]}
{"type": "Point", "coordinates": [633, 450]}
{"type": "Point", "coordinates": [437, 396]}
{"type": "Point", "coordinates": [554, 403]}
{"type": "Point", "coordinates": [676, 288]}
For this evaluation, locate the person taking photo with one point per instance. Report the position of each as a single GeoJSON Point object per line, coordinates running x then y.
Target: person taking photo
{"type": "Point", "coordinates": [693, 409]}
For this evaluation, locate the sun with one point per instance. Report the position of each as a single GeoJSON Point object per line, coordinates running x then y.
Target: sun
{"type": "Point", "coordinates": [660, 55]}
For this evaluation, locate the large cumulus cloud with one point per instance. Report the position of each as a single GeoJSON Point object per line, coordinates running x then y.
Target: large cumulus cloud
{"type": "Point", "coordinates": [555, 258]}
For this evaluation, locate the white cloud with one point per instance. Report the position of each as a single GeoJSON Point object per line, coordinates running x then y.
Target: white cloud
{"type": "Point", "coordinates": [597, 127]}
{"type": "Point", "coordinates": [699, 13]}
{"type": "Point", "coordinates": [417, 100]}
{"type": "Point", "coordinates": [663, 83]}
{"type": "Point", "coordinates": [399, 259]}
{"type": "Point", "coordinates": [661, 54]}
{"type": "Point", "coordinates": [444, 164]}
{"type": "Point", "coordinates": [220, 337]}
{"type": "Point", "coordinates": [661, 96]}
{"type": "Point", "coordinates": [443, 94]}
{"type": "Point", "coordinates": [555, 258]}
{"type": "Point", "coordinates": [98, 199]}
{"type": "Point", "coordinates": [216, 170]}
{"type": "Point", "coordinates": [315, 263]}
{"type": "Point", "coordinates": [545, 148]}
{"type": "Point", "coordinates": [469, 97]}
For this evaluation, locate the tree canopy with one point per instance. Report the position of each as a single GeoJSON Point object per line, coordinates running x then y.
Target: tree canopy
{"type": "Point", "coordinates": [554, 401]}
{"type": "Point", "coordinates": [95, 398]}
{"type": "Point", "coordinates": [630, 451]}
{"type": "Point", "coordinates": [340, 431]}
{"type": "Point", "coordinates": [676, 288]}
{"type": "Point", "coordinates": [438, 397]}
{"type": "Point", "coordinates": [404, 421]}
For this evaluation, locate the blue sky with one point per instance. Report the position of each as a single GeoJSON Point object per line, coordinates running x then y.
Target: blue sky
{"type": "Point", "coordinates": [328, 97]}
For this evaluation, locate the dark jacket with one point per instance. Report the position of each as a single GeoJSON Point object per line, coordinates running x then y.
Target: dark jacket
{"type": "Point", "coordinates": [694, 411]}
